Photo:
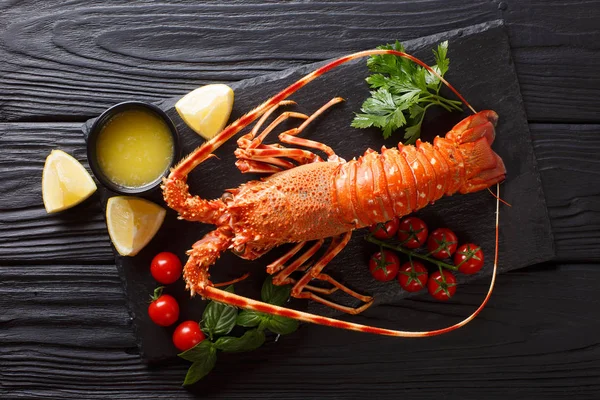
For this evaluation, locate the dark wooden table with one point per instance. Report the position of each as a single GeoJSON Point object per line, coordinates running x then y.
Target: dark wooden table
{"type": "Point", "coordinates": [64, 328]}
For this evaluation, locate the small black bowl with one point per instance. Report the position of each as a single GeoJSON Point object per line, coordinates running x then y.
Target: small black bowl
{"type": "Point", "coordinates": [99, 124]}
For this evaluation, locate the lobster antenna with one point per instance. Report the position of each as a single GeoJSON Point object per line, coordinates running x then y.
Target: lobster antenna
{"type": "Point", "coordinates": [205, 151]}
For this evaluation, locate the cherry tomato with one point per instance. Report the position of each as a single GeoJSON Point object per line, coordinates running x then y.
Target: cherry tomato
{"type": "Point", "coordinates": [187, 335]}
{"type": "Point", "coordinates": [384, 265]}
{"type": "Point", "coordinates": [163, 310]}
{"type": "Point", "coordinates": [385, 230]}
{"type": "Point", "coordinates": [165, 268]}
{"type": "Point", "coordinates": [412, 277]}
{"type": "Point", "coordinates": [469, 258]}
{"type": "Point", "coordinates": [442, 243]}
{"type": "Point", "coordinates": [412, 232]}
{"type": "Point", "coordinates": [442, 287]}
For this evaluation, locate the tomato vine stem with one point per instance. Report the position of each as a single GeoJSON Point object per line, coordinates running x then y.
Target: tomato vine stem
{"type": "Point", "coordinates": [410, 253]}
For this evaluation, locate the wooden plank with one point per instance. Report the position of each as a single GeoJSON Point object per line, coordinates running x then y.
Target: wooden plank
{"type": "Point", "coordinates": [82, 302]}
{"type": "Point", "coordinates": [528, 343]}
{"type": "Point", "coordinates": [64, 61]}
{"type": "Point", "coordinates": [27, 232]}
{"type": "Point", "coordinates": [568, 162]}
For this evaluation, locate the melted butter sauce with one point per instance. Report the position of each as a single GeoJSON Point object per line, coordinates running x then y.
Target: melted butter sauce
{"type": "Point", "coordinates": [134, 148]}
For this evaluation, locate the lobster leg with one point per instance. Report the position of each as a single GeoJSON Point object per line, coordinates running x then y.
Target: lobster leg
{"type": "Point", "coordinates": [289, 137]}
{"type": "Point", "coordinates": [278, 264]}
{"type": "Point", "coordinates": [282, 278]}
{"type": "Point", "coordinates": [252, 141]}
{"type": "Point", "coordinates": [315, 272]}
{"type": "Point", "coordinates": [245, 140]}
{"type": "Point", "coordinates": [256, 157]}
{"type": "Point", "coordinates": [280, 119]}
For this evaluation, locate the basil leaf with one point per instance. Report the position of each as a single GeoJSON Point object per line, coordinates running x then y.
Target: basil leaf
{"type": "Point", "coordinates": [272, 294]}
{"type": "Point", "coordinates": [218, 318]}
{"type": "Point", "coordinates": [280, 325]}
{"type": "Point", "coordinates": [200, 368]}
{"type": "Point", "coordinates": [251, 340]}
{"type": "Point", "coordinates": [249, 319]}
{"type": "Point", "coordinates": [198, 352]}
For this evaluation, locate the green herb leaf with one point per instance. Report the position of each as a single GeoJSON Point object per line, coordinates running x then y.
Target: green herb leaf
{"type": "Point", "coordinates": [219, 319]}
{"type": "Point", "coordinates": [412, 133]}
{"type": "Point", "coordinates": [441, 59]}
{"type": "Point", "coordinates": [404, 90]}
{"type": "Point", "coordinates": [202, 366]}
{"type": "Point", "coordinates": [416, 111]}
{"type": "Point", "coordinates": [272, 294]}
{"type": "Point", "coordinates": [198, 352]}
{"type": "Point", "coordinates": [250, 340]}
{"type": "Point", "coordinates": [280, 325]}
{"type": "Point", "coordinates": [249, 319]}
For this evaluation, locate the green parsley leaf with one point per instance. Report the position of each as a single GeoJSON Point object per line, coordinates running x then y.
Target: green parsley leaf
{"type": "Point", "coordinates": [412, 133]}
{"type": "Point", "coordinates": [250, 340]}
{"type": "Point", "coordinates": [219, 319]}
{"type": "Point", "coordinates": [402, 92]}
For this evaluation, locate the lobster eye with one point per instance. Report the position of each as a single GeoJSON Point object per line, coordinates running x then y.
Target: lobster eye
{"type": "Point", "coordinates": [239, 250]}
{"type": "Point", "coordinates": [227, 197]}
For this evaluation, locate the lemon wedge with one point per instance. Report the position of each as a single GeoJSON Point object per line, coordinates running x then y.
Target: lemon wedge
{"type": "Point", "coordinates": [206, 110]}
{"type": "Point", "coordinates": [65, 182]}
{"type": "Point", "coordinates": [132, 222]}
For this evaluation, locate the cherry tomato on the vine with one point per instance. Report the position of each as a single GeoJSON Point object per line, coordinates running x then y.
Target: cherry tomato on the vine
{"type": "Point", "coordinates": [442, 243]}
{"type": "Point", "coordinates": [165, 268]}
{"type": "Point", "coordinates": [164, 309]}
{"type": "Point", "coordinates": [187, 335]}
{"type": "Point", "coordinates": [385, 230]}
{"type": "Point", "coordinates": [384, 265]}
{"type": "Point", "coordinates": [469, 258]}
{"type": "Point", "coordinates": [412, 277]}
{"type": "Point", "coordinates": [412, 232]}
{"type": "Point", "coordinates": [442, 287]}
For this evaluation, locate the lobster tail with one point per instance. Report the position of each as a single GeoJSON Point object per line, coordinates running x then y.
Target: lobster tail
{"type": "Point", "coordinates": [482, 166]}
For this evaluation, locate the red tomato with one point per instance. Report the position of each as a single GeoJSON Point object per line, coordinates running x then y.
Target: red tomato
{"type": "Point", "coordinates": [165, 268]}
{"type": "Point", "coordinates": [442, 287]}
{"type": "Point", "coordinates": [442, 243]}
{"type": "Point", "coordinates": [385, 230]}
{"type": "Point", "coordinates": [384, 265]}
{"type": "Point", "coordinates": [187, 335]}
{"type": "Point", "coordinates": [412, 232]}
{"type": "Point", "coordinates": [412, 277]}
{"type": "Point", "coordinates": [469, 258]}
{"type": "Point", "coordinates": [164, 310]}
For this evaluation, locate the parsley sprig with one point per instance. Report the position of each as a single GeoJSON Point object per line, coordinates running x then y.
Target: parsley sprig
{"type": "Point", "coordinates": [403, 93]}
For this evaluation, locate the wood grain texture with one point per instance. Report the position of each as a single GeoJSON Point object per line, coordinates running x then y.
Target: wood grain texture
{"type": "Point", "coordinates": [71, 339]}
{"type": "Point", "coordinates": [570, 170]}
{"type": "Point", "coordinates": [70, 60]}
{"type": "Point", "coordinates": [27, 232]}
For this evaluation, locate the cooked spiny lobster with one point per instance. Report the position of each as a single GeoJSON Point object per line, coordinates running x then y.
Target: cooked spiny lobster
{"type": "Point", "coordinates": [314, 199]}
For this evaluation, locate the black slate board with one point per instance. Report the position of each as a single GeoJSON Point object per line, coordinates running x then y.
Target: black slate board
{"type": "Point", "coordinates": [482, 70]}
